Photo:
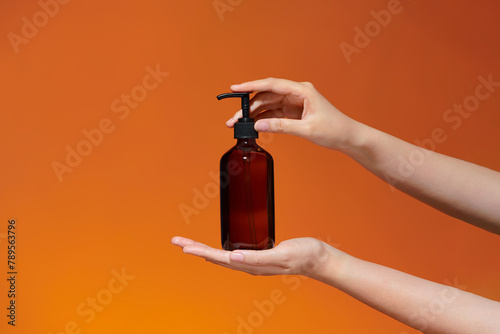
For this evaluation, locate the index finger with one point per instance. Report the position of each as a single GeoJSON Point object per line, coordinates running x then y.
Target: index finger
{"type": "Point", "coordinates": [279, 86]}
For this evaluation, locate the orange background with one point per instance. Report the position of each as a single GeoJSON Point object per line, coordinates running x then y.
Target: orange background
{"type": "Point", "coordinates": [120, 206]}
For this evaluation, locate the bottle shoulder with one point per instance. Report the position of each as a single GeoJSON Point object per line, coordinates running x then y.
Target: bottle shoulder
{"type": "Point", "coordinates": [225, 157]}
{"type": "Point", "coordinates": [239, 148]}
{"type": "Point", "coordinates": [248, 149]}
{"type": "Point", "coordinates": [264, 152]}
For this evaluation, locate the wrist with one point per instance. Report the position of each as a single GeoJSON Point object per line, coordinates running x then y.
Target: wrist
{"type": "Point", "coordinates": [361, 141]}
{"type": "Point", "coordinates": [332, 266]}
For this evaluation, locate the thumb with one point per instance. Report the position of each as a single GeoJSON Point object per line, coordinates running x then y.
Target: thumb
{"type": "Point", "coordinates": [281, 125]}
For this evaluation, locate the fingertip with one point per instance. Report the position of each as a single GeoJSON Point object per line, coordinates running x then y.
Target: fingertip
{"type": "Point", "coordinates": [242, 87]}
{"type": "Point", "coordinates": [183, 242]}
{"type": "Point", "coordinates": [187, 250]}
{"type": "Point", "coordinates": [230, 122]}
{"type": "Point", "coordinates": [262, 126]}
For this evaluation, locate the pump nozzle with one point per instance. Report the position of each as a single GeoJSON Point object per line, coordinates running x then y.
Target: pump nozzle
{"type": "Point", "coordinates": [244, 128]}
{"type": "Point", "coordinates": [245, 101]}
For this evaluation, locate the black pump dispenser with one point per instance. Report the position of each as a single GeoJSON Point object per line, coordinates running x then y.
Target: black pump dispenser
{"type": "Point", "coordinates": [244, 128]}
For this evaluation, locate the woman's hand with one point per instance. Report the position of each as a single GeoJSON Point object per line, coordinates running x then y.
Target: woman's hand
{"type": "Point", "coordinates": [401, 296]}
{"type": "Point", "coordinates": [297, 108]}
{"type": "Point", "coordinates": [302, 256]}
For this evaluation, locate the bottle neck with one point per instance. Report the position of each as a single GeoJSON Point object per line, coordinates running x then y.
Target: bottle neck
{"type": "Point", "coordinates": [246, 142]}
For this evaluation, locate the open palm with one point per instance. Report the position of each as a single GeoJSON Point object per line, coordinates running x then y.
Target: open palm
{"type": "Point", "coordinates": [301, 256]}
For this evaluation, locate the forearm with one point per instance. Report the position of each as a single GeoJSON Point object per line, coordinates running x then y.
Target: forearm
{"type": "Point", "coordinates": [461, 189]}
{"type": "Point", "coordinates": [426, 306]}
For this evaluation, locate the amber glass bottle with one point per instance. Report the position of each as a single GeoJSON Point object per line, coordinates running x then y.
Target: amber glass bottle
{"type": "Point", "coordinates": [246, 188]}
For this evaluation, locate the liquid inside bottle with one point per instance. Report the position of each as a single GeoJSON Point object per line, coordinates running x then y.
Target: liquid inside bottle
{"type": "Point", "coordinates": [247, 197]}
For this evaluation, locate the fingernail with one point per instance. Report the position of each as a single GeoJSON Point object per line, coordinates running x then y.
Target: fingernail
{"type": "Point", "coordinates": [262, 126]}
{"type": "Point", "coordinates": [229, 120]}
{"type": "Point", "coordinates": [236, 257]}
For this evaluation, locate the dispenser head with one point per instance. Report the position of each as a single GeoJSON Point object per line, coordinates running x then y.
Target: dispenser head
{"type": "Point", "coordinates": [244, 128]}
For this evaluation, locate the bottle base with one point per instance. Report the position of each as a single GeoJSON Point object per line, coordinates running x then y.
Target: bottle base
{"type": "Point", "coordinates": [230, 246]}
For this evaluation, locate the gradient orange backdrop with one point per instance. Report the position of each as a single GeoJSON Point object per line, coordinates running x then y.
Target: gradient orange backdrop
{"type": "Point", "coordinates": [119, 207]}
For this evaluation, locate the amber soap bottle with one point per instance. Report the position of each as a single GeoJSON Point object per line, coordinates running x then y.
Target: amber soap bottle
{"type": "Point", "coordinates": [246, 187]}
